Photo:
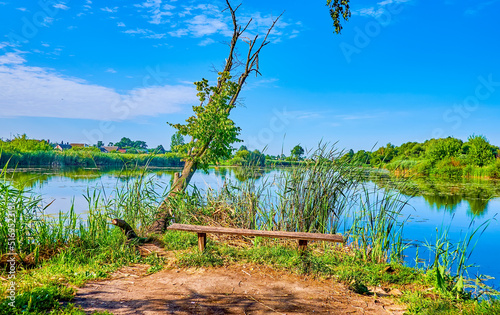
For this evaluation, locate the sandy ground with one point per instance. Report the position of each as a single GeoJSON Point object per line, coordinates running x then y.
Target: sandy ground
{"type": "Point", "coordinates": [236, 289]}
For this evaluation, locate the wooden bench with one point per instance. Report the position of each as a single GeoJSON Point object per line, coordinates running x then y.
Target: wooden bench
{"type": "Point", "coordinates": [301, 237]}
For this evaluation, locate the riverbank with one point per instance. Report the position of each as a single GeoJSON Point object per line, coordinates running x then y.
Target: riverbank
{"type": "Point", "coordinates": [82, 158]}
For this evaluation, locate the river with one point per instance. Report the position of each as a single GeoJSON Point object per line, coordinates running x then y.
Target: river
{"type": "Point", "coordinates": [436, 203]}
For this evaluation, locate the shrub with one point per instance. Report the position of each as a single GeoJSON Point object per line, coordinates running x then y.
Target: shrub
{"type": "Point", "coordinates": [423, 168]}
{"type": "Point", "coordinates": [448, 167]}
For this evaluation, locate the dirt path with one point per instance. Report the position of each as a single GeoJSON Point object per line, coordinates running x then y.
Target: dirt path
{"type": "Point", "coordinates": [237, 289]}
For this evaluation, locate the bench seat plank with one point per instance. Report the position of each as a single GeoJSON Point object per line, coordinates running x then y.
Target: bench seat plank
{"type": "Point", "coordinates": [246, 232]}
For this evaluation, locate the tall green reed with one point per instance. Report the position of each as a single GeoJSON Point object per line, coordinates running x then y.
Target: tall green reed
{"type": "Point", "coordinates": [450, 259]}
{"type": "Point", "coordinates": [376, 226]}
{"type": "Point", "coordinates": [313, 196]}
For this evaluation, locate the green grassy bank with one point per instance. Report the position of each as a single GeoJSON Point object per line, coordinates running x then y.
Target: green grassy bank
{"type": "Point", "coordinates": [86, 159]}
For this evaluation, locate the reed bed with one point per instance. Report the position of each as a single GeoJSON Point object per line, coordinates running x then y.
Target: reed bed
{"type": "Point", "coordinates": [87, 159]}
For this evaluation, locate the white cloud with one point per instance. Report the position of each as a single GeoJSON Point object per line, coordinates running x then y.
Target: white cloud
{"type": "Point", "coordinates": [202, 25]}
{"type": "Point", "coordinates": [206, 42]}
{"type": "Point", "coordinates": [5, 44]}
{"type": "Point", "coordinates": [111, 70]}
{"type": "Point", "coordinates": [155, 36]}
{"type": "Point", "coordinates": [179, 32]}
{"type": "Point", "coordinates": [157, 10]}
{"type": "Point", "coordinates": [146, 33]}
{"type": "Point", "coordinates": [386, 2]}
{"type": "Point", "coordinates": [61, 6]}
{"type": "Point", "coordinates": [110, 10]}
{"type": "Point", "coordinates": [121, 24]}
{"type": "Point", "coordinates": [137, 31]}
{"type": "Point", "coordinates": [377, 11]}
{"type": "Point", "coordinates": [373, 12]}
{"type": "Point", "coordinates": [47, 21]}
{"type": "Point", "coordinates": [22, 9]}
{"type": "Point", "coordinates": [11, 59]}
{"type": "Point", "coordinates": [206, 20]}
{"type": "Point", "coordinates": [42, 92]}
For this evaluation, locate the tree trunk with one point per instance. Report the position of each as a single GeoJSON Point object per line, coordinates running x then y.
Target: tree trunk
{"type": "Point", "coordinates": [179, 185]}
{"type": "Point", "coordinates": [127, 229]}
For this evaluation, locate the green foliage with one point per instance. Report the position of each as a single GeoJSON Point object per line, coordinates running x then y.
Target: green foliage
{"type": "Point", "coordinates": [383, 155]}
{"type": "Point", "coordinates": [449, 167]}
{"type": "Point", "coordinates": [439, 149]}
{"type": "Point", "coordinates": [339, 9]}
{"type": "Point", "coordinates": [424, 167]}
{"type": "Point", "coordinates": [361, 157]}
{"type": "Point", "coordinates": [446, 157]}
{"type": "Point", "coordinates": [86, 158]}
{"type": "Point", "coordinates": [480, 151]}
{"type": "Point", "coordinates": [22, 144]}
{"type": "Point", "coordinates": [85, 149]}
{"type": "Point", "coordinates": [127, 143]}
{"type": "Point", "coordinates": [246, 158]}
{"type": "Point", "coordinates": [176, 142]}
{"type": "Point", "coordinates": [297, 151]}
{"type": "Point", "coordinates": [211, 129]}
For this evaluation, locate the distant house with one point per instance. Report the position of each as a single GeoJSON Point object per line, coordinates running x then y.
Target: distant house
{"type": "Point", "coordinates": [109, 149]}
{"type": "Point", "coordinates": [78, 145]}
{"type": "Point", "coordinates": [62, 147]}
{"type": "Point", "coordinates": [122, 150]}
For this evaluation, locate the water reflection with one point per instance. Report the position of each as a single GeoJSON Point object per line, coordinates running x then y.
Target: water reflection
{"type": "Point", "coordinates": [39, 177]}
{"type": "Point", "coordinates": [440, 195]}
{"type": "Point", "coordinates": [445, 195]}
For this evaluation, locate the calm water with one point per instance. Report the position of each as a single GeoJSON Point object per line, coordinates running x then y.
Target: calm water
{"type": "Point", "coordinates": [437, 203]}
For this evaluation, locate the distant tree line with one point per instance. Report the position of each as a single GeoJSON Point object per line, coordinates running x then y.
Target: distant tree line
{"type": "Point", "coordinates": [449, 157]}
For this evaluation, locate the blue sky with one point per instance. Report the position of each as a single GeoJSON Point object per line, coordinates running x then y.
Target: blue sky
{"type": "Point", "coordinates": [402, 70]}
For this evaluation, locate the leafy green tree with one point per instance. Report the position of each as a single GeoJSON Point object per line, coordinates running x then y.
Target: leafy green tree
{"type": "Point", "coordinates": [384, 154]}
{"type": "Point", "coordinates": [257, 159]}
{"type": "Point", "coordinates": [140, 144]}
{"type": "Point", "coordinates": [480, 152]}
{"type": "Point", "coordinates": [176, 141]}
{"type": "Point", "coordinates": [159, 149]}
{"type": "Point", "coordinates": [241, 157]}
{"type": "Point", "coordinates": [347, 157]}
{"type": "Point", "coordinates": [297, 151]}
{"type": "Point", "coordinates": [210, 128]}
{"type": "Point", "coordinates": [24, 144]}
{"type": "Point", "coordinates": [125, 143]}
{"type": "Point", "coordinates": [100, 143]}
{"type": "Point", "coordinates": [439, 149]}
{"type": "Point", "coordinates": [361, 157]}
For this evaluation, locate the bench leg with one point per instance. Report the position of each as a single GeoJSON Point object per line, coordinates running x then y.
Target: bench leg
{"type": "Point", "coordinates": [202, 241]}
{"type": "Point", "coordinates": [302, 245]}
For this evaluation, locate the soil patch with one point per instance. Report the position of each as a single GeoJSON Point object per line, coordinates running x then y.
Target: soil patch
{"type": "Point", "coordinates": [235, 289]}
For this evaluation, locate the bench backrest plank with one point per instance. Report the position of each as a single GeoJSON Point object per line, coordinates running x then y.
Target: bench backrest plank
{"type": "Point", "coordinates": [247, 232]}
